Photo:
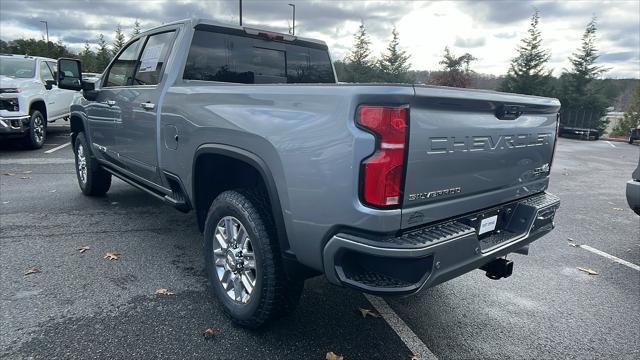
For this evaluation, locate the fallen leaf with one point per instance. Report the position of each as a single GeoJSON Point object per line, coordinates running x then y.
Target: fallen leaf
{"type": "Point", "coordinates": [368, 312]}
{"type": "Point", "coordinates": [588, 271]}
{"type": "Point", "coordinates": [27, 172]}
{"type": "Point", "coordinates": [163, 291]}
{"type": "Point", "coordinates": [209, 333]}
{"type": "Point", "coordinates": [25, 177]}
{"type": "Point", "coordinates": [610, 203]}
{"type": "Point", "coordinates": [52, 191]}
{"type": "Point", "coordinates": [8, 174]}
{"type": "Point", "coordinates": [618, 209]}
{"type": "Point", "coordinates": [574, 245]}
{"type": "Point", "coordinates": [6, 202]}
{"type": "Point", "coordinates": [570, 239]}
{"type": "Point", "coordinates": [333, 356]}
{"type": "Point", "coordinates": [83, 248]}
{"type": "Point", "coordinates": [111, 255]}
{"type": "Point", "coordinates": [33, 270]}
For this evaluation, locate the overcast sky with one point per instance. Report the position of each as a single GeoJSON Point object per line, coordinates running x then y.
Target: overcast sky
{"type": "Point", "coordinates": [489, 30]}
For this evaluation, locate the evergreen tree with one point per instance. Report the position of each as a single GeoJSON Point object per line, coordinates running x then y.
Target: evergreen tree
{"type": "Point", "coordinates": [118, 41]}
{"type": "Point", "coordinates": [394, 64]}
{"type": "Point", "coordinates": [136, 28]}
{"type": "Point", "coordinates": [88, 58]}
{"type": "Point", "coordinates": [359, 62]}
{"type": "Point", "coordinates": [527, 73]}
{"type": "Point", "coordinates": [456, 70]}
{"type": "Point", "coordinates": [579, 90]}
{"type": "Point", "coordinates": [103, 57]}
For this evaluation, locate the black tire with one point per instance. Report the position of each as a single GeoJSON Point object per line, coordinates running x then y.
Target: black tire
{"type": "Point", "coordinates": [37, 133]}
{"type": "Point", "coordinates": [630, 140]}
{"type": "Point", "coordinates": [274, 294]}
{"type": "Point", "coordinates": [95, 181]}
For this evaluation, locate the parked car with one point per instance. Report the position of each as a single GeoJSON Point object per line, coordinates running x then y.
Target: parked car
{"type": "Point", "coordinates": [634, 134]}
{"type": "Point", "coordinates": [387, 189]}
{"type": "Point", "coordinates": [633, 190]}
{"type": "Point", "coordinates": [29, 98]}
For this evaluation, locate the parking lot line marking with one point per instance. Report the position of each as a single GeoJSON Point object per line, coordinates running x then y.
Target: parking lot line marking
{"type": "Point", "coordinates": [36, 161]}
{"type": "Point", "coordinates": [609, 142]}
{"type": "Point", "coordinates": [57, 148]}
{"type": "Point", "coordinates": [405, 333]}
{"type": "Point", "coordinates": [611, 257]}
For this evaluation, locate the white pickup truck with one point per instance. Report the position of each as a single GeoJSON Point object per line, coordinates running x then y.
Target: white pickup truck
{"type": "Point", "coordinates": [30, 98]}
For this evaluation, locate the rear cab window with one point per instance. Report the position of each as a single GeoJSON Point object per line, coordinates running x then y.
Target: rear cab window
{"type": "Point", "coordinates": [240, 58]}
{"type": "Point", "coordinates": [153, 58]}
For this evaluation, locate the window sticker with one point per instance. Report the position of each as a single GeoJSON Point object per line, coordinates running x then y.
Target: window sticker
{"type": "Point", "coordinates": [150, 57]}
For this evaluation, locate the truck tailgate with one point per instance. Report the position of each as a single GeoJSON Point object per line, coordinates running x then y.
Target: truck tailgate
{"type": "Point", "coordinates": [473, 149]}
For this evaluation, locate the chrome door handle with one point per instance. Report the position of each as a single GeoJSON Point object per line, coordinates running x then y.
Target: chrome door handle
{"type": "Point", "coordinates": [109, 102]}
{"type": "Point", "coordinates": [147, 105]}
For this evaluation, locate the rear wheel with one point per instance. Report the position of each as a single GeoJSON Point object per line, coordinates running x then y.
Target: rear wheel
{"type": "Point", "coordinates": [243, 260]}
{"type": "Point", "coordinates": [92, 179]}
{"type": "Point", "coordinates": [37, 130]}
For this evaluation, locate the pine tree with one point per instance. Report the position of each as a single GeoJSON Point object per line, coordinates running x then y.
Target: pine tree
{"type": "Point", "coordinates": [103, 57]}
{"type": "Point", "coordinates": [88, 58]}
{"type": "Point", "coordinates": [359, 62]}
{"type": "Point", "coordinates": [118, 41]}
{"type": "Point", "coordinates": [394, 64]}
{"type": "Point", "coordinates": [136, 28]}
{"type": "Point", "coordinates": [583, 64]}
{"type": "Point", "coordinates": [456, 70]}
{"type": "Point", "coordinates": [527, 73]}
{"type": "Point", "coordinates": [579, 92]}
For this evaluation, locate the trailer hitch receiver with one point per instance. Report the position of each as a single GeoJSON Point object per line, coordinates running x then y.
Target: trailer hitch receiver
{"type": "Point", "coordinates": [498, 269]}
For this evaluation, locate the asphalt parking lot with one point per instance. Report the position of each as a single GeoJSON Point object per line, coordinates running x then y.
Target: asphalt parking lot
{"type": "Point", "coordinates": [80, 305]}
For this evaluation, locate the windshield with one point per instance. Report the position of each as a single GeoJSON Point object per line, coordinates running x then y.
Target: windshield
{"type": "Point", "coordinates": [17, 67]}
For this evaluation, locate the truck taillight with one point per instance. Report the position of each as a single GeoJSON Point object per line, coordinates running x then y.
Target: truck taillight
{"type": "Point", "coordinates": [555, 141]}
{"type": "Point", "coordinates": [382, 172]}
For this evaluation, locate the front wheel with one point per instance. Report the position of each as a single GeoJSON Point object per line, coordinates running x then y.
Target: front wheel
{"type": "Point", "coordinates": [37, 130]}
{"type": "Point", "coordinates": [92, 179]}
{"type": "Point", "coordinates": [243, 260]}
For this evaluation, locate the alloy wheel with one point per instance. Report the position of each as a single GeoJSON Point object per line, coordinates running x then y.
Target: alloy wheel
{"type": "Point", "coordinates": [234, 259]}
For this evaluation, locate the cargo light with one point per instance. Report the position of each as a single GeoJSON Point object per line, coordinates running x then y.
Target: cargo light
{"type": "Point", "coordinates": [382, 172]}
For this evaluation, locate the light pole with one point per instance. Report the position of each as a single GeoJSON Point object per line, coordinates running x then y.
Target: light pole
{"type": "Point", "coordinates": [294, 18]}
{"type": "Point", "coordinates": [240, 6]}
{"type": "Point", "coordinates": [46, 27]}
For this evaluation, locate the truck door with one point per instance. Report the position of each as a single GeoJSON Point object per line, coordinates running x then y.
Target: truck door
{"type": "Point", "coordinates": [113, 104]}
{"type": "Point", "coordinates": [63, 98]}
{"type": "Point", "coordinates": [139, 133]}
{"type": "Point", "coordinates": [53, 103]}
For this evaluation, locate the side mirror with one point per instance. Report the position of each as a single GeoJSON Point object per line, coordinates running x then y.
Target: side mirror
{"type": "Point", "coordinates": [69, 74]}
{"type": "Point", "coordinates": [48, 84]}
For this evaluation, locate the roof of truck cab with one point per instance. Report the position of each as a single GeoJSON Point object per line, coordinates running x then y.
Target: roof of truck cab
{"type": "Point", "coordinates": [27, 57]}
{"type": "Point", "coordinates": [200, 21]}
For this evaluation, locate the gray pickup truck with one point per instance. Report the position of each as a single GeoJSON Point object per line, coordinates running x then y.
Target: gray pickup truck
{"type": "Point", "coordinates": [387, 189]}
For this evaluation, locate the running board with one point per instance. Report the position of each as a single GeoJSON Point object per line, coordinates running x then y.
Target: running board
{"type": "Point", "coordinates": [176, 199]}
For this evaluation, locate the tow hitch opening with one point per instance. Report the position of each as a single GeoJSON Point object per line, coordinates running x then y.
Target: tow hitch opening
{"type": "Point", "coordinates": [498, 269]}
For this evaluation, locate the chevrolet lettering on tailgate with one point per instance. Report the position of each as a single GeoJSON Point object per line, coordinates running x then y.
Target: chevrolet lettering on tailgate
{"type": "Point", "coordinates": [449, 144]}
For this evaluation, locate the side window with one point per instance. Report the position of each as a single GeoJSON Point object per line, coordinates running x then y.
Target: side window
{"type": "Point", "coordinates": [53, 67]}
{"type": "Point", "coordinates": [45, 72]}
{"type": "Point", "coordinates": [121, 72]}
{"type": "Point", "coordinates": [155, 54]}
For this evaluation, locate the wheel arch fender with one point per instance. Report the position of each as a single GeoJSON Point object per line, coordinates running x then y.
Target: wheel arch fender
{"type": "Point", "coordinates": [260, 165]}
